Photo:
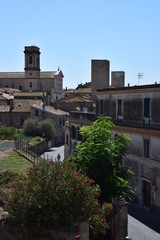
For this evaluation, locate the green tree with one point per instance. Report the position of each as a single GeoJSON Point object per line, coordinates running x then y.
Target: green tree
{"type": "Point", "coordinates": [46, 127]}
{"type": "Point", "coordinates": [43, 128]}
{"type": "Point", "coordinates": [100, 156]}
{"type": "Point", "coordinates": [31, 127]}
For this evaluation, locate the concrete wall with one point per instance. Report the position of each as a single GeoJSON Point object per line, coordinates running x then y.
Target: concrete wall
{"type": "Point", "coordinates": [57, 233]}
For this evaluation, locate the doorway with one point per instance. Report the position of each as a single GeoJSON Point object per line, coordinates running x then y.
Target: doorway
{"type": "Point", "coordinates": [146, 188]}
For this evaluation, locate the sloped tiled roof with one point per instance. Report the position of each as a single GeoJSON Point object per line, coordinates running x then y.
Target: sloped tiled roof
{"type": "Point", "coordinates": [48, 74]}
{"type": "Point", "coordinates": [29, 95]}
{"type": "Point", "coordinates": [23, 105]}
{"type": "Point", "coordinates": [50, 109]}
{"type": "Point", "coordinates": [76, 99]}
{"type": "Point", "coordinates": [12, 74]}
{"type": "Point", "coordinates": [44, 74]}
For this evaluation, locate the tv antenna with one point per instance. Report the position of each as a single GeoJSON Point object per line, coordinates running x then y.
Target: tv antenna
{"type": "Point", "coordinates": [140, 76]}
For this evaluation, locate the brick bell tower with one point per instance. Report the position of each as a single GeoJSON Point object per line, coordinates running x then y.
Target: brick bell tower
{"type": "Point", "coordinates": [32, 68]}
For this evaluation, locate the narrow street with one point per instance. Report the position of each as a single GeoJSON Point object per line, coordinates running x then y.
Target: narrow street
{"type": "Point", "coordinates": [6, 144]}
{"type": "Point", "coordinates": [53, 152]}
{"type": "Point", "coordinates": [143, 224]}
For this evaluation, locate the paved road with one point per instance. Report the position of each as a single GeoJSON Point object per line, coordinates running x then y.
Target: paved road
{"type": "Point", "coordinates": [6, 144]}
{"type": "Point", "coordinates": [53, 152]}
{"type": "Point", "coordinates": [143, 224]}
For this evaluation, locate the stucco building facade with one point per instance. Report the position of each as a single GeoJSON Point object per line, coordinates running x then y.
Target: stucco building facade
{"type": "Point", "coordinates": [135, 112]}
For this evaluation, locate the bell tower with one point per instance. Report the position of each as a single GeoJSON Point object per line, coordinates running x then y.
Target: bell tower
{"type": "Point", "coordinates": [32, 68]}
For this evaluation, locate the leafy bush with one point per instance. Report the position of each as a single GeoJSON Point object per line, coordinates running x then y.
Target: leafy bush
{"type": "Point", "coordinates": [7, 132]}
{"type": "Point", "coordinates": [46, 127]}
{"type": "Point", "coordinates": [30, 127]}
{"type": "Point", "coordinates": [42, 128]}
{"type": "Point", "coordinates": [53, 194]}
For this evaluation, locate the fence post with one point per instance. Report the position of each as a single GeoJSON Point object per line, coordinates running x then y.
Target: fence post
{"type": "Point", "coordinates": [120, 219]}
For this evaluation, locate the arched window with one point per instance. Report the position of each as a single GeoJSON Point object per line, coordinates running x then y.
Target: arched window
{"type": "Point", "coordinates": [30, 60]}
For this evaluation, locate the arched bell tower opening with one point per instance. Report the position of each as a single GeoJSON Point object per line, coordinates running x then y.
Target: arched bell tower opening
{"type": "Point", "coordinates": [32, 68]}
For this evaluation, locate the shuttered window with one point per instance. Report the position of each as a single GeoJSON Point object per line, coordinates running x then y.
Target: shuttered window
{"type": "Point", "coordinates": [101, 107]}
{"type": "Point", "coordinates": [146, 107]}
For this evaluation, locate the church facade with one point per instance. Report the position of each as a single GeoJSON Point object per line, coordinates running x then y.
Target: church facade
{"type": "Point", "coordinates": [33, 79]}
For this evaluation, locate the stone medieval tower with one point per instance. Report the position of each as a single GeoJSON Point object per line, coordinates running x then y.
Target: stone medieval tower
{"type": "Point", "coordinates": [99, 75]}
{"type": "Point", "coordinates": [32, 68]}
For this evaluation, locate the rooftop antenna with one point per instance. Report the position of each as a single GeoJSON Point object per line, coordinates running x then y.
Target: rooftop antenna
{"type": "Point", "coordinates": [140, 76]}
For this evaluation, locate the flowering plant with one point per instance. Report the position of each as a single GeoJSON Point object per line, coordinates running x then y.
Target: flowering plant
{"type": "Point", "coordinates": [53, 194]}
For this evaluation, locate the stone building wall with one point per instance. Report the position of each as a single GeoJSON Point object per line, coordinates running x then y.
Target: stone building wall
{"type": "Point", "coordinates": [99, 74]}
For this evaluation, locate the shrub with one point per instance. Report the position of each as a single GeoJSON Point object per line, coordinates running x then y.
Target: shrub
{"type": "Point", "coordinates": [43, 128]}
{"type": "Point", "coordinates": [31, 127]}
{"type": "Point", "coordinates": [7, 132]}
{"type": "Point", "coordinates": [46, 127]}
{"type": "Point", "coordinates": [54, 194]}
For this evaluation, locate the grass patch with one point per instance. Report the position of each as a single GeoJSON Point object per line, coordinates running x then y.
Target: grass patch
{"type": "Point", "coordinates": [36, 140]}
{"type": "Point", "coordinates": [15, 163]}
{"type": "Point", "coordinates": [10, 169]}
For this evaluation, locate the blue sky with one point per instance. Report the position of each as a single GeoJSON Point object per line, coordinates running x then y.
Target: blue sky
{"type": "Point", "coordinates": [70, 33]}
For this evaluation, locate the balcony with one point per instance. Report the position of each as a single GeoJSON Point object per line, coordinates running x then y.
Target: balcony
{"type": "Point", "coordinates": [82, 116]}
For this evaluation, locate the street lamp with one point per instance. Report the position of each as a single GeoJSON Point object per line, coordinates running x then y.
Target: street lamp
{"type": "Point", "coordinates": [58, 157]}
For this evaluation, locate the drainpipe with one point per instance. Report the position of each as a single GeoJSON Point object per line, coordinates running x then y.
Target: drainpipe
{"type": "Point", "coordinates": [140, 183]}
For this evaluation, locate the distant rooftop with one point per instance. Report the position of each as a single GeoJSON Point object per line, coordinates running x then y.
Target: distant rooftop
{"type": "Point", "coordinates": [43, 74]}
{"type": "Point", "coordinates": [50, 109]}
{"type": "Point", "coordinates": [130, 88]}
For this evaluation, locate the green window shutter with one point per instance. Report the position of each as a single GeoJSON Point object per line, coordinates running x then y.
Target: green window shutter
{"type": "Point", "coordinates": [146, 107]}
{"type": "Point", "coordinates": [101, 106]}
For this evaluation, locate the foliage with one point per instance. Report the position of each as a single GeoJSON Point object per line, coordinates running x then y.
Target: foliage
{"type": "Point", "coordinates": [35, 140]}
{"type": "Point", "coordinates": [53, 194]}
{"type": "Point", "coordinates": [34, 128]}
{"type": "Point", "coordinates": [100, 155]}
{"type": "Point", "coordinates": [7, 132]}
{"type": "Point", "coordinates": [46, 127]}
{"type": "Point", "coordinates": [31, 127]}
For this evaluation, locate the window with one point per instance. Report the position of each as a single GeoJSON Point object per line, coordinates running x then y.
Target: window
{"type": "Point", "coordinates": [79, 136]}
{"type": "Point", "coordinates": [20, 87]}
{"type": "Point", "coordinates": [60, 122]}
{"type": "Point", "coordinates": [30, 84]}
{"type": "Point", "coordinates": [119, 107]}
{"type": "Point", "coordinates": [146, 107]}
{"type": "Point", "coordinates": [101, 106]}
{"type": "Point", "coordinates": [36, 113]}
{"type": "Point", "coordinates": [30, 60]}
{"type": "Point", "coordinates": [73, 132]}
{"type": "Point", "coordinates": [146, 148]}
